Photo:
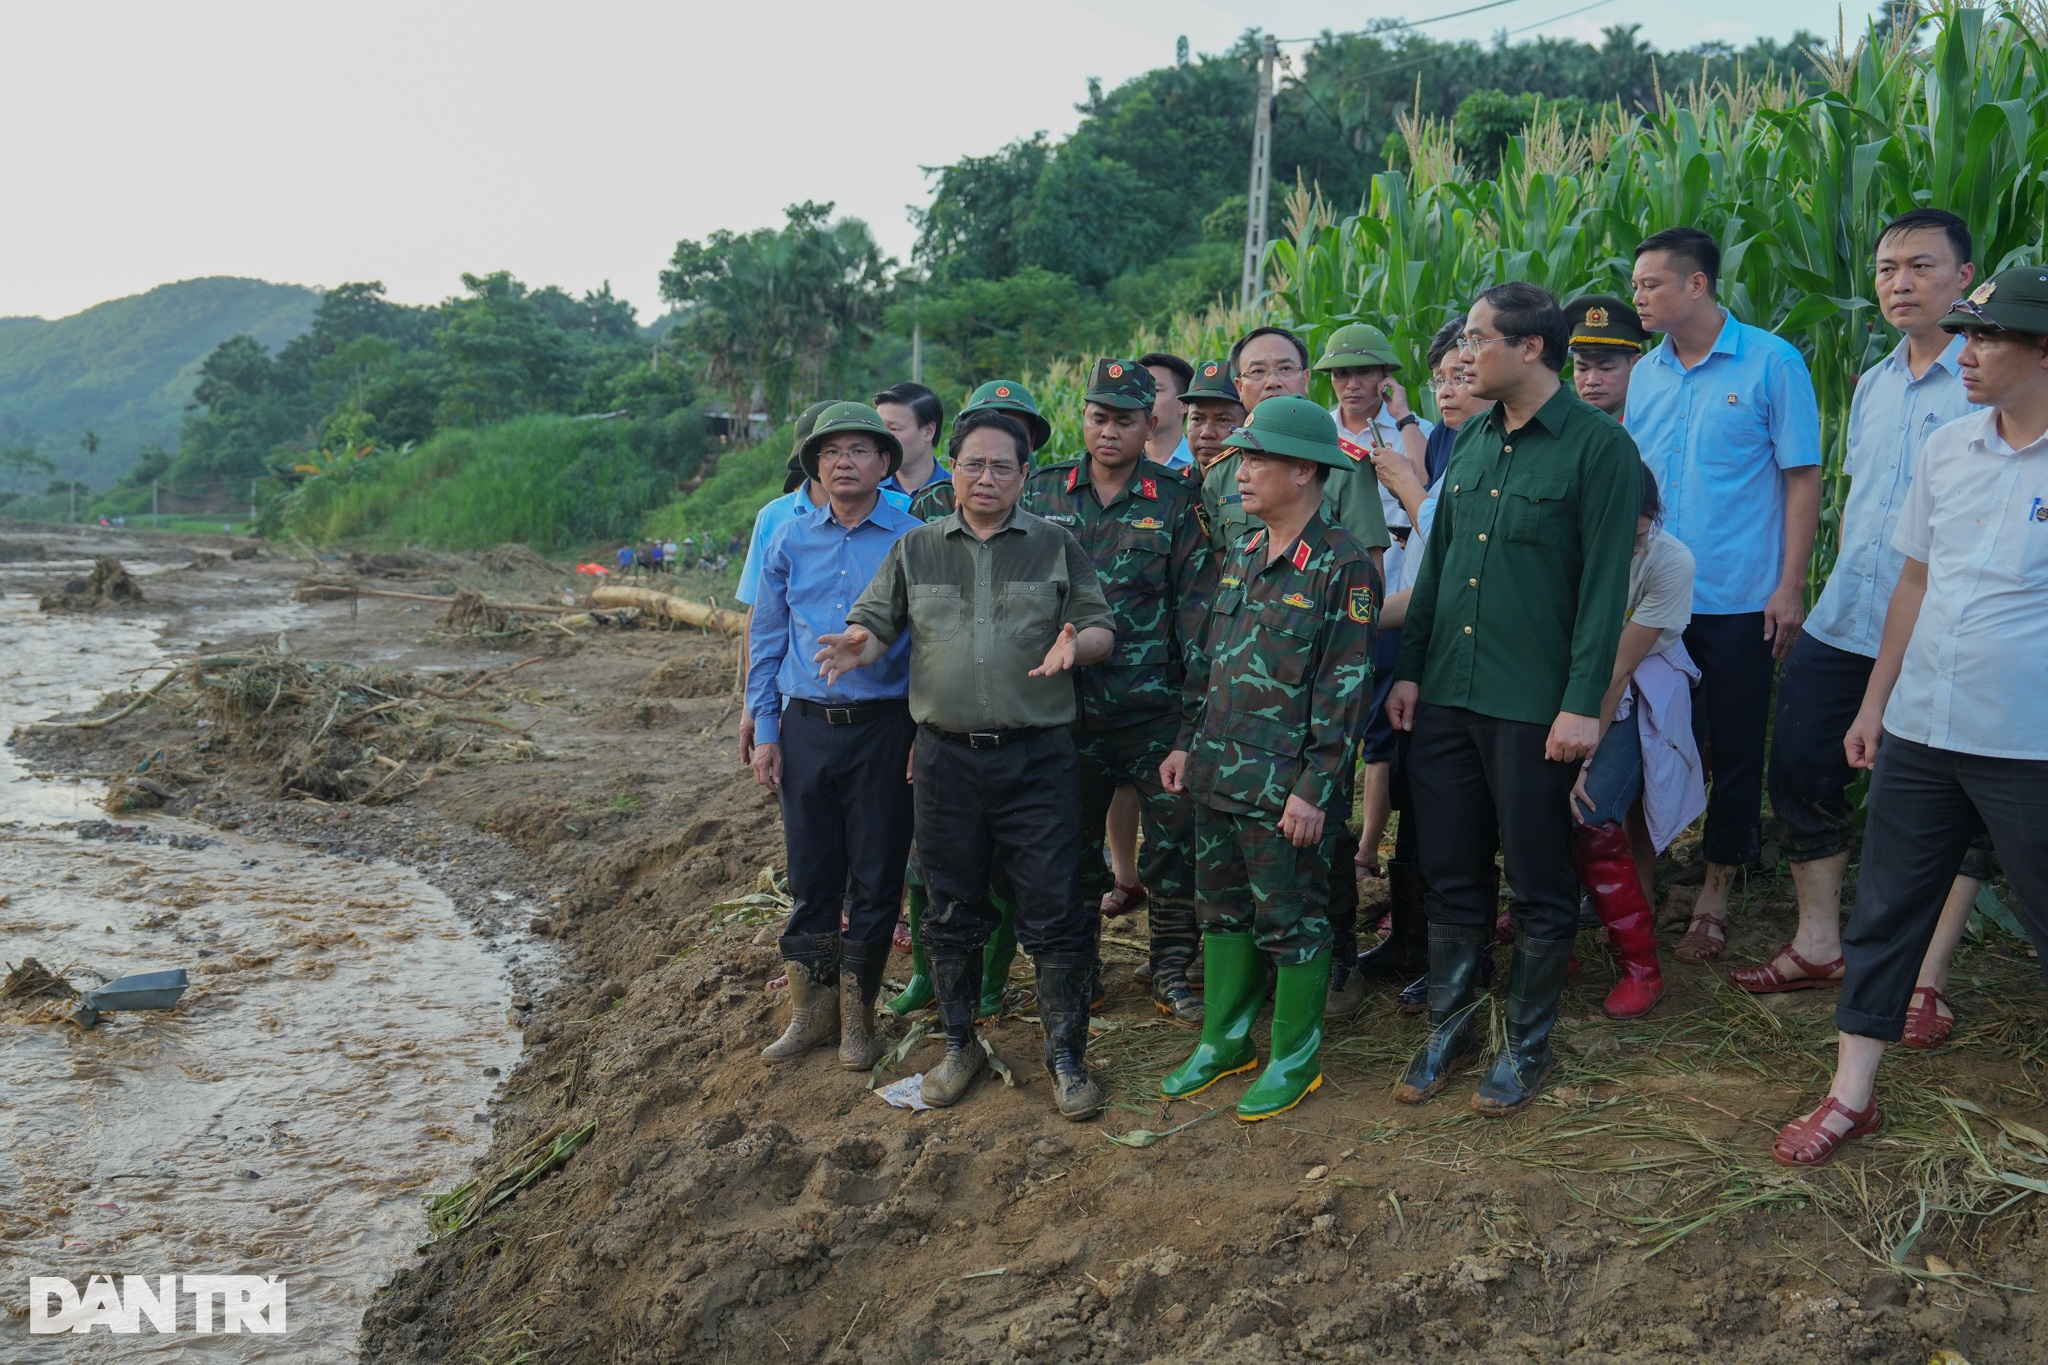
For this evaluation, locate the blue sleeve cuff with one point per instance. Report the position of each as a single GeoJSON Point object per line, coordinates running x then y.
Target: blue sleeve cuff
{"type": "Point", "coordinates": [768, 727]}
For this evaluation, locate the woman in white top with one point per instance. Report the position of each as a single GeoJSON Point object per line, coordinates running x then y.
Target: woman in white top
{"type": "Point", "coordinates": [1643, 784]}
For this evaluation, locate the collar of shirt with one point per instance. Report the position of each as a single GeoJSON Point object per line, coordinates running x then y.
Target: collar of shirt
{"type": "Point", "coordinates": [1297, 558]}
{"type": "Point", "coordinates": [939, 474]}
{"type": "Point", "coordinates": [886, 513]}
{"type": "Point", "coordinates": [1139, 485]}
{"type": "Point", "coordinates": [1375, 425]}
{"type": "Point", "coordinates": [1895, 359]}
{"type": "Point", "coordinates": [1556, 410]}
{"type": "Point", "coordinates": [1727, 342]}
{"type": "Point", "coordinates": [956, 523]}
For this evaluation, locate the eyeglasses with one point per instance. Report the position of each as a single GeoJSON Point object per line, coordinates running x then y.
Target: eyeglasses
{"type": "Point", "coordinates": [846, 454]}
{"type": "Point", "coordinates": [974, 470]}
{"type": "Point", "coordinates": [1467, 345]}
{"type": "Point", "coordinates": [1259, 374]}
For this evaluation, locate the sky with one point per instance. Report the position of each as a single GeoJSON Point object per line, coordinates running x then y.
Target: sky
{"type": "Point", "coordinates": [317, 143]}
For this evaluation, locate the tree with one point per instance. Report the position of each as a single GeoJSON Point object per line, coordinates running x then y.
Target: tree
{"type": "Point", "coordinates": [503, 354]}
{"type": "Point", "coordinates": [21, 460]}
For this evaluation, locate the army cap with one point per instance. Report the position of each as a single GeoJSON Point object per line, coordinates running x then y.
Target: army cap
{"type": "Point", "coordinates": [1212, 381]}
{"type": "Point", "coordinates": [2014, 300]}
{"type": "Point", "coordinates": [806, 419]}
{"type": "Point", "coordinates": [844, 418]}
{"type": "Point", "coordinates": [1293, 427]}
{"type": "Point", "coordinates": [1008, 396]}
{"type": "Point", "coordinates": [1604, 320]}
{"type": "Point", "coordinates": [1355, 346]}
{"type": "Point", "coordinates": [1121, 384]}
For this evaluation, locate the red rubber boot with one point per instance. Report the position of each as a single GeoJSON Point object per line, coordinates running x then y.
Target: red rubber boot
{"type": "Point", "coordinates": [1609, 873]}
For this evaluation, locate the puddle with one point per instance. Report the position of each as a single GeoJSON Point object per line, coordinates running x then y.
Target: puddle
{"type": "Point", "coordinates": [322, 1076]}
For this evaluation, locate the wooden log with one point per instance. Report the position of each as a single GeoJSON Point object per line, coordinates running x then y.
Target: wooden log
{"type": "Point", "coordinates": [673, 608]}
{"type": "Point", "coordinates": [316, 591]}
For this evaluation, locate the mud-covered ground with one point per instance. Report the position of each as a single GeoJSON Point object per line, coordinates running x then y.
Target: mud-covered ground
{"type": "Point", "coordinates": [722, 1211]}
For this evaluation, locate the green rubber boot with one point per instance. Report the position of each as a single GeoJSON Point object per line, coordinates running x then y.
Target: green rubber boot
{"type": "Point", "coordinates": [1296, 1065]}
{"type": "Point", "coordinates": [996, 956]}
{"type": "Point", "coordinates": [918, 992]}
{"type": "Point", "coordinates": [1236, 988]}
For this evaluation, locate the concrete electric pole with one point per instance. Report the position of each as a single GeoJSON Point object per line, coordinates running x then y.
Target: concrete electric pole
{"type": "Point", "coordinates": [1262, 162]}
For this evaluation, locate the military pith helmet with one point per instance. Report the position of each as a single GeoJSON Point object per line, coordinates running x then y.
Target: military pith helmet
{"type": "Point", "coordinates": [2014, 300]}
{"type": "Point", "coordinates": [1293, 427]}
{"type": "Point", "coordinates": [1212, 381]}
{"type": "Point", "coordinates": [1355, 346]}
{"type": "Point", "coordinates": [806, 419]}
{"type": "Point", "coordinates": [1010, 397]}
{"type": "Point", "coordinates": [850, 417]}
{"type": "Point", "coordinates": [1602, 322]}
{"type": "Point", "coordinates": [1121, 384]}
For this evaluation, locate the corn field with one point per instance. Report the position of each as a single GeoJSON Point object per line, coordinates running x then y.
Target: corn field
{"type": "Point", "coordinates": [1795, 185]}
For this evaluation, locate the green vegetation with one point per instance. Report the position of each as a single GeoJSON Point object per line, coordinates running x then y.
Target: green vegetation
{"type": "Point", "coordinates": [723, 506]}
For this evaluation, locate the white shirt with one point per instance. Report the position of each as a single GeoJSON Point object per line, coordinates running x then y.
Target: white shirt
{"type": "Point", "coordinates": [1381, 431]}
{"type": "Point", "coordinates": [1890, 418]}
{"type": "Point", "coordinates": [1977, 516]}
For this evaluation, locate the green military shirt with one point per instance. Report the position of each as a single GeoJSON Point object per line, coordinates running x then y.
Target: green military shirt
{"type": "Point", "coordinates": [1150, 548]}
{"type": "Point", "coordinates": [934, 501]}
{"type": "Point", "coordinates": [1278, 686]}
{"type": "Point", "coordinates": [981, 615]}
{"type": "Point", "coordinates": [1519, 603]}
{"type": "Point", "coordinates": [1351, 501]}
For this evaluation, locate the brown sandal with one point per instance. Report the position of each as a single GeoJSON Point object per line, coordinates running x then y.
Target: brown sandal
{"type": "Point", "coordinates": [1769, 979]}
{"type": "Point", "coordinates": [1123, 899]}
{"type": "Point", "coordinates": [1925, 1028]}
{"type": "Point", "coordinates": [1699, 944]}
{"type": "Point", "coordinates": [1810, 1142]}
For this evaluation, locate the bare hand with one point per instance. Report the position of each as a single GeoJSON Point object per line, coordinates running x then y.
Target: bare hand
{"type": "Point", "coordinates": [1398, 475]}
{"type": "Point", "coordinates": [747, 739]}
{"type": "Point", "coordinates": [1173, 772]}
{"type": "Point", "coordinates": [1860, 744]}
{"type": "Point", "coordinates": [910, 765]}
{"type": "Point", "coordinates": [1401, 704]}
{"type": "Point", "coordinates": [1783, 615]}
{"type": "Point", "coordinates": [841, 653]}
{"type": "Point", "coordinates": [1365, 862]}
{"type": "Point", "coordinates": [1396, 399]}
{"type": "Point", "coordinates": [1572, 737]}
{"type": "Point", "coordinates": [1581, 802]}
{"type": "Point", "coordinates": [1060, 657]}
{"type": "Point", "coordinates": [768, 766]}
{"type": "Point", "coordinates": [1301, 822]}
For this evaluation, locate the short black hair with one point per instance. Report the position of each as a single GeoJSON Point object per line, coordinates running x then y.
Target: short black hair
{"type": "Point", "coordinates": [1179, 368]}
{"type": "Point", "coordinates": [1446, 337]}
{"type": "Point", "coordinates": [1933, 220]}
{"type": "Point", "coordinates": [1690, 245]}
{"type": "Point", "coordinates": [1300, 346]}
{"type": "Point", "coordinates": [990, 417]}
{"type": "Point", "coordinates": [1522, 309]}
{"type": "Point", "coordinates": [922, 402]}
{"type": "Point", "coordinates": [1653, 501]}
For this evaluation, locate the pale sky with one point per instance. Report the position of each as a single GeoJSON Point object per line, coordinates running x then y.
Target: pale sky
{"type": "Point", "coordinates": [572, 143]}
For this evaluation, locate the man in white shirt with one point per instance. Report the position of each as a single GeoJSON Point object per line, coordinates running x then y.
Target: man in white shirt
{"type": "Point", "coordinates": [1372, 413]}
{"type": "Point", "coordinates": [1954, 723]}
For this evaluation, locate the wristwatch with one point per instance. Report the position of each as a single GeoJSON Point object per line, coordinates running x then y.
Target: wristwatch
{"type": "Point", "coordinates": [1411, 420]}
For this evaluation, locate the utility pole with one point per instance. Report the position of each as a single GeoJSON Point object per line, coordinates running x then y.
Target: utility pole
{"type": "Point", "coordinates": [155, 516]}
{"type": "Point", "coordinates": [1262, 163]}
{"type": "Point", "coordinates": [252, 500]}
{"type": "Point", "coordinates": [74, 501]}
{"type": "Point", "coordinates": [916, 353]}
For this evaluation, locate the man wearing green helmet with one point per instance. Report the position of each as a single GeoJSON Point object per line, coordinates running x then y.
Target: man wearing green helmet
{"type": "Point", "coordinates": [1272, 707]}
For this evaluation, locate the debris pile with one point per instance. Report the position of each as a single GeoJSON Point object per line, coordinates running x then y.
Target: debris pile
{"type": "Point", "coordinates": [109, 584]}
{"type": "Point", "coordinates": [512, 557]}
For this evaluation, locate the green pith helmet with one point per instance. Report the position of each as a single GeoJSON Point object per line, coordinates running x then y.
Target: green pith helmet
{"type": "Point", "coordinates": [846, 417]}
{"type": "Point", "coordinates": [1009, 397]}
{"type": "Point", "coordinates": [1212, 381]}
{"type": "Point", "coordinates": [807, 419]}
{"type": "Point", "coordinates": [1121, 384]}
{"type": "Point", "coordinates": [1601, 322]}
{"type": "Point", "coordinates": [2014, 300]}
{"type": "Point", "coordinates": [1293, 427]}
{"type": "Point", "coordinates": [1356, 345]}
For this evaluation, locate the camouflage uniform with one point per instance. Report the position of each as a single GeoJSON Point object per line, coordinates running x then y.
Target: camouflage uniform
{"type": "Point", "coordinates": [1274, 700]}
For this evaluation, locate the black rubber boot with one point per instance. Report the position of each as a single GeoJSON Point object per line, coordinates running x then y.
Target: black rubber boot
{"type": "Point", "coordinates": [1454, 955]}
{"type": "Point", "coordinates": [1347, 988]}
{"type": "Point", "coordinates": [1405, 950]}
{"type": "Point", "coordinates": [812, 961]}
{"type": "Point", "coordinates": [1063, 1008]}
{"type": "Point", "coordinates": [860, 981]}
{"type": "Point", "coordinates": [957, 978]}
{"type": "Point", "coordinates": [1414, 997]}
{"type": "Point", "coordinates": [1535, 982]}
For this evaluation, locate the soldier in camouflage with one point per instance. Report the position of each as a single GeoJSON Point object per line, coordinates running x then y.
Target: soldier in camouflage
{"type": "Point", "coordinates": [1214, 411]}
{"type": "Point", "coordinates": [1272, 711]}
{"type": "Point", "coordinates": [1141, 524]}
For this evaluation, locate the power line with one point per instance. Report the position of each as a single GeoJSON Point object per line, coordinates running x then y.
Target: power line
{"type": "Point", "coordinates": [1570, 13]}
{"type": "Point", "coordinates": [1418, 23]}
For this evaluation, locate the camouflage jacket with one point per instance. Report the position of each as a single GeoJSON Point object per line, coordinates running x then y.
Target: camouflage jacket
{"type": "Point", "coordinates": [933, 502]}
{"type": "Point", "coordinates": [1279, 682]}
{"type": "Point", "coordinates": [1150, 548]}
{"type": "Point", "coordinates": [1350, 500]}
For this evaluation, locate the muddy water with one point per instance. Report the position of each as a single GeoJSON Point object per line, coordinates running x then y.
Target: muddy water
{"type": "Point", "coordinates": [329, 1068]}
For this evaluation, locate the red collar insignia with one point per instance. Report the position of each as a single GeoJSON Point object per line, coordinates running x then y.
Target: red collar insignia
{"type": "Point", "coordinates": [1301, 554]}
{"type": "Point", "coordinates": [1149, 487]}
{"type": "Point", "coordinates": [1073, 478]}
{"type": "Point", "coordinates": [1353, 449]}
{"type": "Point", "coordinates": [1258, 539]}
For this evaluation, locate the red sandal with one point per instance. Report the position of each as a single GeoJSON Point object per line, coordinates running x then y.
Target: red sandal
{"type": "Point", "coordinates": [1123, 899]}
{"type": "Point", "coordinates": [1925, 1028]}
{"type": "Point", "coordinates": [1810, 1142]}
{"type": "Point", "coordinates": [1770, 980]}
{"type": "Point", "coordinates": [1700, 944]}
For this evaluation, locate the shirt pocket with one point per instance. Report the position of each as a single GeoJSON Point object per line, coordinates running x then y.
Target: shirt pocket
{"type": "Point", "coordinates": [1287, 637]}
{"type": "Point", "coordinates": [1258, 760]}
{"type": "Point", "coordinates": [1534, 513]}
{"type": "Point", "coordinates": [937, 611]}
{"type": "Point", "coordinates": [1031, 613]}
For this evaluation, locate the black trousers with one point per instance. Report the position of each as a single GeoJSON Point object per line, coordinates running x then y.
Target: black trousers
{"type": "Point", "coordinates": [1731, 713]}
{"type": "Point", "coordinates": [846, 813]}
{"type": "Point", "coordinates": [1020, 803]}
{"type": "Point", "coordinates": [1481, 785]}
{"type": "Point", "coordinates": [1924, 806]}
{"type": "Point", "coordinates": [1819, 694]}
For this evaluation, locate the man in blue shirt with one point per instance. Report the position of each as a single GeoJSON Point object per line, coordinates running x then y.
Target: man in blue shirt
{"type": "Point", "coordinates": [914, 416]}
{"type": "Point", "coordinates": [836, 753]}
{"type": "Point", "coordinates": [1724, 414]}
{"type": "Point", "coordinates": [1168, 444]}
{"type": "Point", "coordinates": [1923, 265]}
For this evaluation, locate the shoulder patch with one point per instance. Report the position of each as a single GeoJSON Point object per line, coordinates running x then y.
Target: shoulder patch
{"type": "Point", "coordinates": [1299, 601]}
{"type": "Point", "coordinates": [1357, 452]}
{"type": "Point", "coordinates": [1149, 487]}
{"type": "Point", "coordinates": [1073, 478]}
{"type": "Point", "coordinates": [1359, 608]}
{"type": "Point", "coordinates": [1301, 554]}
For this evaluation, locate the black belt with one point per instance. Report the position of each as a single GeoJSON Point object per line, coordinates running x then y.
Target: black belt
{"type": "Point", "coordinates": [852, 715]}
{"type": "Point", "coordinates": [985, 739]}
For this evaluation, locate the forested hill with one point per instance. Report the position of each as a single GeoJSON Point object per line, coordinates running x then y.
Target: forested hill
{"type": "Point", "coordinates": [125, 369]}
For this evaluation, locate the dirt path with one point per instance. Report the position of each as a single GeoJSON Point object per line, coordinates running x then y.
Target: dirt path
{"type": "Point", "coordinates": [718, 1211]}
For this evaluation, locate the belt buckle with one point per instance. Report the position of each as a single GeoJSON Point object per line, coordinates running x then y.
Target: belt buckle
{"type": "Point", "coordinates": [984, 739]}
{"type": "Point", "coordinates": [839, 715]}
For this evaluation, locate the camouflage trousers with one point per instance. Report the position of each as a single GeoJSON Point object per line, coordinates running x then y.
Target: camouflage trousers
{"type": "Point", "coordinates": [1250, 879]}
{"type": "Point", "coordinates": [1132, 754]}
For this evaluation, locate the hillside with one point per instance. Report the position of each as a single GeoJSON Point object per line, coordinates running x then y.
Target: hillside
{"type": "Point", "coordinates": [125, 368]}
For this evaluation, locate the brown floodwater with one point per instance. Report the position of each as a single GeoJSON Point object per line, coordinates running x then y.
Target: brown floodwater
{"type": "Point", "coordinates": [329, 1069]}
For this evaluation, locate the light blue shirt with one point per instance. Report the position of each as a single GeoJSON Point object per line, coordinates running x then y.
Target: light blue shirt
{"type": "Point", "coordinates": [1719, 437]}
{"type": "Point", "coordinates": [894, 484]}
{"type": "Point", "coordinates": [772, 518]}
{"type": "Point", "coordinates": [1182, 457]}
{"type": "Point", "coordinates": [1890, 419]}
{"type": "Point", "coordinates": [812, 572]}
